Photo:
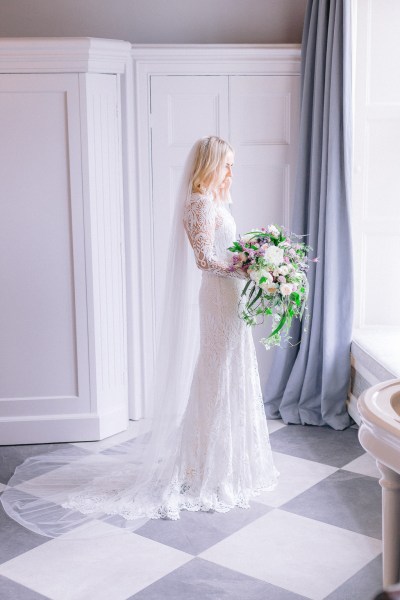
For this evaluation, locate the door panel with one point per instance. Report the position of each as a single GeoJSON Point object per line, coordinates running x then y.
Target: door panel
{"type": "Point", "coordinates": [183, 110]}
{"type": "Point", "coordinates": [263, 127]}
{"type": "Point", "coordinates": [263, 130]}
{"type": "Point", "coordinates": [44, 367]}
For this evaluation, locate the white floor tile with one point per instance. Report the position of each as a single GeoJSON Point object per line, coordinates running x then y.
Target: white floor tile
{"type": "Point", "coordinates": [296, 476]}
{"type": "Point", "coordinates": [275, 424]}
{"type": "Point", "coordinates": [56, 485]}
{"type": "Point", "coordinates": [306, 557]}
{"type": "Point", "coordinates": [365, 465]}
{"type": "Point", "coordinates": [135, 428]}
{"type": "Point", "coordinates": [108, 566]}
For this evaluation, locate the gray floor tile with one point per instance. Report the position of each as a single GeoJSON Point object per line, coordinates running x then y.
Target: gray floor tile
{"type": "Point", "coordinates": [195, 532]}
{"type": "Point", "coordinates": [137, 443]}
{"type": "Point", "coordinates": [12, 456]}
{"type": "Point", "coordinates": [15, 539]}
{"type": "Point", "coordinates": [202, 580]}
{"type": "Point", "coordinates": [364, 585]}
{"type": "Point", "coordinates": [9, 590]}
{"type": "Point", "coordinates": [322, 444]}
{"type": "Point", "coordinates": [344, 499]}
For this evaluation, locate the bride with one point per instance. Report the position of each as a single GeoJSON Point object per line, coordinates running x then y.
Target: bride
{"type": "Point", "coordinates": [209, 447]}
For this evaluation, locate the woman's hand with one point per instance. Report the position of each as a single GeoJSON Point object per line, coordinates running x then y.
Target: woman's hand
{"type": "Point", "coordinates": [242, 273]}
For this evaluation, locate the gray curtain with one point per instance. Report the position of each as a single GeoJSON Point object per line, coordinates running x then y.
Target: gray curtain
{"type": "Point", "coordinates": [309, 383]}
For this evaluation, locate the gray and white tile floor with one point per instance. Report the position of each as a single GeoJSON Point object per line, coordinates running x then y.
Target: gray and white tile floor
{"type": "Point", "coordinates": [317, 536]}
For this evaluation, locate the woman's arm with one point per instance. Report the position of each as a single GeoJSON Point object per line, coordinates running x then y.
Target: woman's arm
{"type": "Point", "coordinates": [199, 223]}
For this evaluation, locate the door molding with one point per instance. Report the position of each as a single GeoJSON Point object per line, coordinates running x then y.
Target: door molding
{"type": "Point", "coordinates": [171, 59]}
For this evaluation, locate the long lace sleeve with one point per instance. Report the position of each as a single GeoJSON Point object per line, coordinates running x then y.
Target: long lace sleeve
{"type": "Point", "coordinates": [200, 221]}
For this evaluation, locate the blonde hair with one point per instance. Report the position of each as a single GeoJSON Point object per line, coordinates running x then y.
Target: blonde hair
{"type": "Point", "coordinates": [208, 163]}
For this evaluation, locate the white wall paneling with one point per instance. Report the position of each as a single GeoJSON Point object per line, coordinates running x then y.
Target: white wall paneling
{"type": "Point", "coordinates": [182, 109]}
{"type": "Point", "coordinates": [263, 127]}
{"type": "Point", "coordinates": [63, 314]}
{"type": "Point", "coordinates": [376, 187]}
{"type": "Point", "coordinates": [44, 346]}
{"type": "Point", "coordinates": [247, 94]}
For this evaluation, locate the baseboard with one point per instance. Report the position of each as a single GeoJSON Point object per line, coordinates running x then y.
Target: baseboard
{"type": "Point", "coordinates": [62, 428]}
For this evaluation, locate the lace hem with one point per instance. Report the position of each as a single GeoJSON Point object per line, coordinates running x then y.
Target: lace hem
{"type": "Point", "coordinates": [106, 503]}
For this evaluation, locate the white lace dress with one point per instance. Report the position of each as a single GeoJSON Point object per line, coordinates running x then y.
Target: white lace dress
{"type": "Point", "coordinates": [221, 456]}
{"type": "Point", "coordinates": [224, 457]}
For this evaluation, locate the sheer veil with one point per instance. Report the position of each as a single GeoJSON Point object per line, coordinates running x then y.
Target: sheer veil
{"type": "Point", "coordinates": [83, 492]}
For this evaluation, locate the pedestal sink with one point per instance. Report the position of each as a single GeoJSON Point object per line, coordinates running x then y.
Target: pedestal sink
{"type": "Point", "coordinates": [379, 434]}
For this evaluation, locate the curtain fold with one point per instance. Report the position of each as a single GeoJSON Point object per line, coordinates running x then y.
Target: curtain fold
{"type": "Point", "coordinates": [309, 383]}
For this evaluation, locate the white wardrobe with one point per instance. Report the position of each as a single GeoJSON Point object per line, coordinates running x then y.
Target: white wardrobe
{"type": "Point", "coordinates": [94, 135]}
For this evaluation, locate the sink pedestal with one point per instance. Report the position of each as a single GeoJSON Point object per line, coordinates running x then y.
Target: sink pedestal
{"type": "Point", "coordinates": [379, 434]}
{"type": "Point", "coordinates": [390, 482]}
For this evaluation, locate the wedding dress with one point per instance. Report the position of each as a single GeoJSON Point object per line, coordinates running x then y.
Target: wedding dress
{"type": "Point", "coordinates": [219, 455]}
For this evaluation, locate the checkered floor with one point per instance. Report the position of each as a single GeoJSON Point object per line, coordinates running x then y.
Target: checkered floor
{"type": "Point", "coordinates": [317, 537]}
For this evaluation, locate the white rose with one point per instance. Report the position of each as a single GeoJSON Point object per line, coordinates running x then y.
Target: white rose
{"type": "Point", "coordinates": [285, 289]}
{"type": "Point", "coordinates": [273, 230]}
{"type": "Point", "coordinates": [255, 274]}
{"type": "Point", "coordinates": [283, 270]}
{"type": "Point", "coordinates": [248, 237]}
{"type": "Point", "coordinates": [266, 274]}
{"type": "Point", "coordinates": [274, 255]}
{"type": "Point", "coordinates": [271, 288]}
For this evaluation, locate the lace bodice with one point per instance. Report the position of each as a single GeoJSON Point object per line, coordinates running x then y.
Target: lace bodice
{"type": "Point", "coordinates": [211, 229]}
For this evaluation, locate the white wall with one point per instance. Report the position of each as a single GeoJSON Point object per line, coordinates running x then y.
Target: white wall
{"type": "Point", "coordinates": [157, 21]}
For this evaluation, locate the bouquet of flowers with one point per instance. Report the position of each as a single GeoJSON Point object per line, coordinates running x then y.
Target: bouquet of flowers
{"type": "Point", "coordinates": [277, 263]}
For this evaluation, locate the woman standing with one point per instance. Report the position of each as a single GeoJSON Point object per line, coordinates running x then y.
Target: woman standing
{"type": "Point", "coordinates": [225, 456]}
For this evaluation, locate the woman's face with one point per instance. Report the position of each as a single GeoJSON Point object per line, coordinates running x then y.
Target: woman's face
{"type": "Point", "coordinates": [226, 172]}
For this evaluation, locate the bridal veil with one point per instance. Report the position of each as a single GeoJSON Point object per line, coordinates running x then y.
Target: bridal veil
{"type": "Point", "coordinates": [70, 489]}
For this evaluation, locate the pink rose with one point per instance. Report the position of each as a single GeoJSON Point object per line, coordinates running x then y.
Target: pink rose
{"type": "Point", "coordinates": [285, 289]}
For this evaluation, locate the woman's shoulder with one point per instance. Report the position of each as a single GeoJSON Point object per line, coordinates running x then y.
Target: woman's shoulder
{"type": "Point", "coordinates": [209, 197]}
{"type": "Point", "coordinates": [201, 199]}
{"type": "Point", "coordinates": [199, 206]}
{"type": "Point", "coordinates": [201, 196]}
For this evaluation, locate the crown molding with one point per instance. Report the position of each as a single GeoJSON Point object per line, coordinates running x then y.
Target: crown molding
{"type": "Point", "coordinates": [63, 55]}
{"type": "Point", "coordinates": [221, 58]}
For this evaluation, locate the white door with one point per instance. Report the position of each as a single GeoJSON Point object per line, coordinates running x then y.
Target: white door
{"type": "Point", "coordinates": [259, 116]}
